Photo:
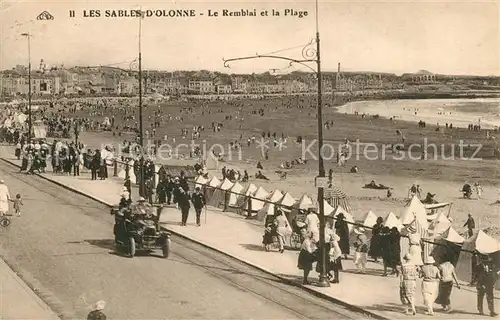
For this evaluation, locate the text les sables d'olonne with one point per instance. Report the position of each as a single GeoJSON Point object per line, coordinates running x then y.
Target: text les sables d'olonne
{"type": "Point", "coordinates": [179, 13]}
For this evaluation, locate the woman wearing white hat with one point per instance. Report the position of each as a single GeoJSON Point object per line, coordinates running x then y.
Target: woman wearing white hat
{"type": "Point", "coordinates": [4, 198]}
{"type": "Point", "coordinates": [409, 273]}
{"type": "Point", "coordinates": [97, 313]}
{"type": "Point", "coordinates": [361, 253]}
{"type": "Point", "coordinates": [430, 275]}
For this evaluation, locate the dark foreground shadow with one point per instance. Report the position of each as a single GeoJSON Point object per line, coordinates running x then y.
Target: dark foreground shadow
{"type": "Point", "coordinates": [253, 247]}
{"type": "Point", "coordinates": [368, 271]}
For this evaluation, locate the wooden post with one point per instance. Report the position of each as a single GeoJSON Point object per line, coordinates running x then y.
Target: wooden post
{"type": "Point", "coordinates": [115, 168]}
{"type": "Point", "coordinates": [226, 200]}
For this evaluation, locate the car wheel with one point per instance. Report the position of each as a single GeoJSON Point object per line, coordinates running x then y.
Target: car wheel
{"type": "Point", "coordinates": [131, 247]}
{"type": "Point", "coordinates": [166, 248]}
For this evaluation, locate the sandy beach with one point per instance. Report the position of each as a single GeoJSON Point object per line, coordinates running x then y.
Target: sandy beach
{"type": "Point", "coordinates": [460, 112]}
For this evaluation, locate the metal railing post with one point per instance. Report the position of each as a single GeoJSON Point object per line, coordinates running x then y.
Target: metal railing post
{"type": "Point", "coordinates": [115, 168]}
{"type": "Point", "coordinates": [127, 171]}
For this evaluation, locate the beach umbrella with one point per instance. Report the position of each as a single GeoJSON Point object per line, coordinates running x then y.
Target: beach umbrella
{"type": "Point", "coordinates": [336, 197]}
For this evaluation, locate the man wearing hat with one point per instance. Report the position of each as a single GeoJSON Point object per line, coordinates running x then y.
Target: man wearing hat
{"type": "Point", "coordinates": [486, 279]}
{"type": "Point", "coordinates": [198, 203]}
{"type": "Point", "coordinates": [470, 224]}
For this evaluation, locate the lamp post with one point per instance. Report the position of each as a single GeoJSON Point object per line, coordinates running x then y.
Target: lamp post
{"type": "Point", "coordinates": [142, 187]}
{"type": "Point", "coordinates": [310, 54]}
{"type": "Point", "coordinates": [28, 36]}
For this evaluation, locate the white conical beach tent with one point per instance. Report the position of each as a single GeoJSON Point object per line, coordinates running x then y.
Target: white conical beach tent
{"type": "Point", "coordinates": [275, 196]}
{"type": "Point", "coordinates": [219, 195]}
{"type": "Point", "coordinates": [415, 210]}
{"type": "Point", "coordinates": [246, 192]}
{"type": "Point", "coordinates": [131, 173]}
{"type": "Point", "coordinates": [267, 210]}
{"type": "Point", "coordinates": [328, 208]}
{"type": "Point", "coordinates": [260, 194]}
{"type": "Point", "coordinates": [392, 221]}
{"type": "Point", "coordinates": [226, 184]}
{"type": "Point", "coordinates": [214, 182]}
{"type": "Point", "coordinates": [235, 190]}
{"type": "Point", "coordinates": [440, 224]}
{"type": "Point", "coordinates": [482, 243]}
{"type": "Point", "coordinates": [304, 203]}
{"type": "Point", "coordinates": [210, 187]}
{"type": "Point", "coordinates": [347, 215]}
{"type": "Point", "coordinates": [200, 181]}
{"type": "Point", "coordinates": [451, 235]}
{"type": "Point", "coordinates": [370, 219]}
{"type": "Point", "coordinates": [286, 202]}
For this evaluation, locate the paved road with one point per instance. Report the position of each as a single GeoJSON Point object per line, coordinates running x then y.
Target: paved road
{"type": "Point", "coordinates": [61, 245]}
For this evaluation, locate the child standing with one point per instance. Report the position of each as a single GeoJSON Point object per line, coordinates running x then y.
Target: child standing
{"type": "Point", "coordinates": [18, 202]}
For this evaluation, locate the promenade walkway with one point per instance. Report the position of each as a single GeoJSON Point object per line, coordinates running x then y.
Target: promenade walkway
{"type": "Point", "coordinates": [240, 238]}
{"type": "Point", "coordinates": [18, 301]}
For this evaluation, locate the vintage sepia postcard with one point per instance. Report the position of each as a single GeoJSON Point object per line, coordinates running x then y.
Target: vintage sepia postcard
{"type": "Point", "coordinates": [314, 159]}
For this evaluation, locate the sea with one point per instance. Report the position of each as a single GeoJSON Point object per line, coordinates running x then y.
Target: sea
{"type": "Point", "coordinates": [459, 112]}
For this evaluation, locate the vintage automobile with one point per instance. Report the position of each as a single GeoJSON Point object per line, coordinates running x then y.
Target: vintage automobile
{"type": "Point", "coordinates": [139, 231]}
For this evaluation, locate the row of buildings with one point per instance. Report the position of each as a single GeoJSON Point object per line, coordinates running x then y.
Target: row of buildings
{"type": "Point", "coordinates": [113, 81]}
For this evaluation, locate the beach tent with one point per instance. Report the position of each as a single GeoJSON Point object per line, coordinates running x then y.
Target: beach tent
{"type": "Point", "coordinates": [210, 187]}
{"type": "Point", "coordinates": [131, 173]}
{"type": "Point", "coordinates": [328, 208]}
{"type": "Point", "coordinates": [200, 181]}
{"type": "Point", "coordinates": [248, 191]}
{"type": "Point", "coordinates": [370, 219]}
{"type": "Point", "coordinates": [260, 194]}
{"type": "Point", "coordinates": [348, 217]}
{"type": "Point", "coordinates": [304, 203]}
{"type": "Point", "coordinates": [214, 182]}
{"type": "Point", "coordinates": [234, 193]}
{"type": "Point", "coordinates": [275, 196]}
{"type": "Point", "coordinates": [286, 202]}
{"type": "Point", "coordinates": [415, 211]}
{"type": "Point", "coordinates": [267, 210]}
{"type": "Point", "coordinates": [447, 246]}
{"type": "Point", "coordinates": [219, 195]}
{"type": "Point", "coordinates": [440, 224]}
{"type": "Point", "coordinates": [392, 221]}
{"type": "Point", "coordinates": [480, 242]}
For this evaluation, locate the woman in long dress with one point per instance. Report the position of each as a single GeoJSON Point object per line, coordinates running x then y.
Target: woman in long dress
{"type": "Point", "coordinates": [375, 245]}
{"type": "Point", "coordinates": [306, 255]}
{"type": "Point", "coordinates": [430, 274]}
{"type": "Point", "coordinates": [409, 276]}
{"type": "Point", "coordinates": [342, 230]}
{"type": "Point", "coordinates": [4, 198]}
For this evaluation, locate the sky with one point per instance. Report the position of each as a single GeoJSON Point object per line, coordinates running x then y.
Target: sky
{"type": "Point", "coordinates": [446, 37]}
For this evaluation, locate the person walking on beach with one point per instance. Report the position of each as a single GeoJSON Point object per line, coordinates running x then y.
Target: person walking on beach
{"type": "Point", "coordinates": [17, 204]}
{"type": "Point", "coordinates": [409, 274]}
{"type": "Point", "coordinates": [479, 190]}
{"type": "Point", "coordinates": [470, 224]}
{"type": "Point", "coordinates": [342, 230]}
{"type": "Point", "coordinates": [281, 225]}
{"type": "Point", "coordinates": [4, 198]}
{"type": "Point", "coordinates": [448, 276]}
{"type": "Point", "coordinates": [430, 283]}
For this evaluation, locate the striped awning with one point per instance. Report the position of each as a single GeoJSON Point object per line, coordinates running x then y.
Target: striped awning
{"type": "Point", "coordinates": [336, 197]}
